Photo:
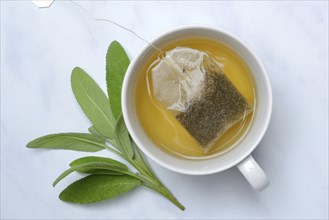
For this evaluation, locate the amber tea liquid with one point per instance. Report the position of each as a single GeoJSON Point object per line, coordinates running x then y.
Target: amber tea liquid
{"type": "Point", "coordinates": [161, 125]}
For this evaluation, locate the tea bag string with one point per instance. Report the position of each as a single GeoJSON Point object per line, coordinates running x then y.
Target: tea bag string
{"type": "Point", "coordinates": [119, 25]}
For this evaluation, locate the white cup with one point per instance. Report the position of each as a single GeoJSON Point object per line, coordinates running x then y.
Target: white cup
{"type": "Point", "coordinates": [240, 155]}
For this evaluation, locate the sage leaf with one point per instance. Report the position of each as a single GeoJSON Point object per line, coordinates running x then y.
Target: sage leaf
{"type": "Point", "coordinates": [93, 102]}
{"type": "Point", "coordinates": [96, 188]}
{"type": "Point", "coordinates": [117, 63]}
{"type": "Point", "coordinates": [123, 139]}
{"type": "Point", "coordinates": [69, 141]}
{"type": "Point", "coordinates": [90, 159]}
{"type": "Point", "coordinates": [91, 166]}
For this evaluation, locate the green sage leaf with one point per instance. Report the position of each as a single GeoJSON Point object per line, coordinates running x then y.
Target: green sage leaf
{"type": "Point", "coordinates": [89, 159]}
{"type": "Point", "coordinates": [69, 141]}
{"type": "Point", "coordinates": [117, 63]}
{"type": "Point", "coordinates": [93, 102]}
{"type": "Point", "coordinates": [96, 188]}
{"type": "Point", "coordinates": [123, 139]}
{"type": "Point", "coordinates": [91, 166]}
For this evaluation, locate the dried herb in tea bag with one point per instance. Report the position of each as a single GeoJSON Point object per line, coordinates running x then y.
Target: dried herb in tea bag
{"type": "Point", "coordinates": [221, 106]}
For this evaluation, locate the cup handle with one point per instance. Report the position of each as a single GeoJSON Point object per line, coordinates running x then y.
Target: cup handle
{"type": "Point", "coordinates": [254, 174]}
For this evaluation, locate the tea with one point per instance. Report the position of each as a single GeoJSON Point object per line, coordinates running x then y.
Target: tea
{"type": "Point", "coordinates": [176, 132]}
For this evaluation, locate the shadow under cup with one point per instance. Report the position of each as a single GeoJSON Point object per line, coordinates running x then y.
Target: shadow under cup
{"type": "Point", "coordinates": [213, 164]}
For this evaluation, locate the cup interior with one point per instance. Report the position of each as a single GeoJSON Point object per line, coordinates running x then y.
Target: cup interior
{"type": "Point", "coordinates": [213, 164]}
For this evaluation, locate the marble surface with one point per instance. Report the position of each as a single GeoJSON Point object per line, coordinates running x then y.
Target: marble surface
{"type": "Point", "coordinates": [39, 48]}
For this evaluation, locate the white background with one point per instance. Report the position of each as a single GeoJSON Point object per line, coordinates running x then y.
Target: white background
{"type": "Point", "coordinates": [40, 47]}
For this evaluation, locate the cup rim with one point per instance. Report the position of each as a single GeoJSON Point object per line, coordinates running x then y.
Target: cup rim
{"type": "Point", "coordinates": [140, 143]}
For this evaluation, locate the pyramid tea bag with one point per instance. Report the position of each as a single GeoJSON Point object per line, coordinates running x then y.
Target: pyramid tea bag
{"type": "Point", "coordinates": [204, 100]}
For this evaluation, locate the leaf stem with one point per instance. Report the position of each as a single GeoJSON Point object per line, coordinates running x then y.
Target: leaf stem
{"type": "Point", "coordinates": [157, 187]}
{"type": "Point", "coordinates": [140, 167]}
{"type": "Point", "coordinates": [112, 150]}
{"type": "Point", "coordinates": [143, 162]}
{"type": "Point", "coordinates": [164, 191]}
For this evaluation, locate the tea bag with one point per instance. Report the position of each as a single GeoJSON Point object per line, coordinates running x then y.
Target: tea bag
{"type": "Point", "coordinates": [194, 85]}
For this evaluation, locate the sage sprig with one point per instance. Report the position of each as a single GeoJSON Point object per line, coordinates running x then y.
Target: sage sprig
{"type": "Point", "coordinates": [107, 178]}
